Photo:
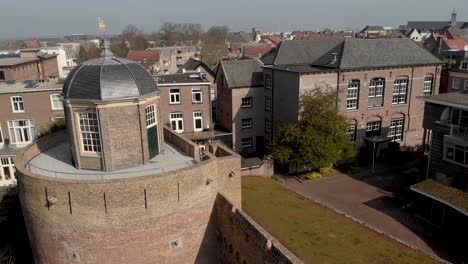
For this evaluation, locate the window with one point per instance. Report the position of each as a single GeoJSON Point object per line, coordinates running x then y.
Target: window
{"type": "Point", "coordinates": [198, 121]}
{"type": "Point", "coordinates": [267, 81]}
{"type": "Point", "coordinates": [246, 123]}
{"type": "Point", "coordinates": [22, 131]}
{"type": "Point", "coordinates": [466, 85]}
{"type": "Point", "coordinates": [400, 88]}
{"type": "Point", "coordinates": [455, 84]}
{"type": "Point", "coordinates": [353, 95]}
{"type": "Point", "coordinates": [150, 114]}
{"type": "Point", "coordinates": [373, 128]}
{"type": "Point", "coordinates": [196, 96]}
{"type": "Point", "coordinates": [17, 104]}
{"type": "Point", "coordinates": [267, 125]}
{"type": "Point", "coordinates": [268, 103]}
{"type": "Point", "coordinates": [396, 129]}
{"type": "Point", "coordinates": [456, 153]}
{"type": "Point", "coordinates": [2, 76]}
{"type": "Point", "coordinates": [177, 122]}
{"type": "Point", "coordinates": [459, 117]}
{"type": "Point", "coordinates": [247, 142]}
{"type": "Point", "coordinates": [351, 131]}
{"type": "Point", "coordinates": [7, 169]}
{"type": "Point", "coordinates": [246, 102]}
{"type": "Point", "coordinates": [174, 95]}
{"type": "Point", "coordinates": [89, 131]}
{"type": "Point", "coordinates": [428, 85]}
{"type": "Point", "coordinates": [56, 101]}
{"type": "Point", "coordinates": [463, 65]}
{"type": "Point", "coordinates": [376, 87]}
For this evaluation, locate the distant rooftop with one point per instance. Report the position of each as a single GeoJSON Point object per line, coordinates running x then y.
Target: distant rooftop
{"type": "Point", "coordinates": [183, 78]}
{"type": "Point", "coordinates": [57, 163]}
{"type": "Point", "coordinates": [243, 73]}
{"type": "Point", "coordinates": [15, 61]}
{"type": "Point", "coordinates": [448, 99]}
{"type": "Point", "coordinates": [29, 87]}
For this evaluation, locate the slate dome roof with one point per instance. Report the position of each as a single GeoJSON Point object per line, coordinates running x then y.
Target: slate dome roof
{"type": "Point", "coordinates": [108, 78]}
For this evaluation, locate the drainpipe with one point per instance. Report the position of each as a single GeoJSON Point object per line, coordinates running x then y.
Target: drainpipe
{"type": "Point", "coordinates": [141, 133]}
{"type": "Point", "coordinates": [409, 101]}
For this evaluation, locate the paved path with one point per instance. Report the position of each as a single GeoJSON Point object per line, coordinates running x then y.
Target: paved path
{"type": "Point", "coordinates": [364, 202]}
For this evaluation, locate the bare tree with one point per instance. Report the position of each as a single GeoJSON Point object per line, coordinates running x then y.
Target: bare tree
{"type": "Point", "coordinates": [214, 47]}
{"type": "Point", "coordinates": [131, 31]}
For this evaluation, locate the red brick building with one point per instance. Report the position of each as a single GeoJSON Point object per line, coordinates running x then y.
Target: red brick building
{"type": "Point", "coordinates": [30, 65]}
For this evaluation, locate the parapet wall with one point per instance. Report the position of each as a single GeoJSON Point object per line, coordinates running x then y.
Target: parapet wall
{"type": "Point", "coordinates": [162, 218]}
{"type": "Point", "coordinates": [242, 240]}
{"type": "Point", "coordinates": [185, 145]}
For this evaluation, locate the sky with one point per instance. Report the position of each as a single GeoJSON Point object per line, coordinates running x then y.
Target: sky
{"type": "Point", "coordinates": [42, 18]}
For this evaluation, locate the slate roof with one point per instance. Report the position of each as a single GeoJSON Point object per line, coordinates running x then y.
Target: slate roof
{"type": "Point", "coordinates": [243, 73]}
{"type": "Point", "coordinates": [193, 64]}
{"type": "Point", "coordinates": [350, 54]}
{"type": "Point", "coordinates": [108, 78]}
{"type": "Point", "coordinates": [449, 99]}
{"type": "Point", "coordinates": [182, 78]}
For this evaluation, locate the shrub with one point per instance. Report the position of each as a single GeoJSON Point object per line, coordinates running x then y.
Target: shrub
{"type": "Point", "coordinates": [314, 176]}
{"type": "Point", "coordinates": [326, 170]}
{"type": "Point", "coordinates": [275, 177]}
{"type": "Point", "coordinates": [355, 169]}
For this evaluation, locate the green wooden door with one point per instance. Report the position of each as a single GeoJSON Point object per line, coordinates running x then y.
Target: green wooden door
{"type": "Point", "coordinates": [153, 141]}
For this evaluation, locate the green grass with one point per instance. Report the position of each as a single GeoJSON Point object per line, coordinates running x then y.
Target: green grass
{"type": "Point", "coordinates": [317, 234]}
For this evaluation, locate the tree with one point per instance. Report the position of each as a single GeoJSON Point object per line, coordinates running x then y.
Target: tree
{"type": "Point", "coordinates": [214, 47]}
{"type": "Point", "coordinates": [119, 49]}
{"type": "Point", "coordinates": [131, 31]}
{"type": "Point", "coordinates": [88, 51]}
{"type": "Point", "coordinates": [319, 138]}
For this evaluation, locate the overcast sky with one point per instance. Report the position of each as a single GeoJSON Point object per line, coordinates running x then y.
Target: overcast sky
{"type": "Point", "coordinates": [33, 18]}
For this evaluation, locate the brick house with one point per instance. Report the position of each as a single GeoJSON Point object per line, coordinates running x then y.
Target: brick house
{"type": "Point", "coordinates": [443, 196]}
{"type": "Point", "coordinates": [377, 82]}
{"type": "Point", "coordinates": [28, 109]}
{"type": "Point", "coordinates": [185, 100]}
{"type": "Point", "coordinates": [30, 65]}
{"type": "Point", "coordinates": [241, 103]}
{"type": "Point", "coordinates": [147, 58]}
{"type": "Point", "coordinates": [458, 78]}
{"type": "Point", "coordinates": [172, 58]}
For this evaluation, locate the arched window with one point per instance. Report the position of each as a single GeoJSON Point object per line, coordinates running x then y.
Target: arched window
{"type": "Point", "coordinates": [352, 99]}
{"type": "Point", "coordinates": [395, 131]}
{"type": "Point", "coordinates": [400, 90]}
{"type": "Point", "coordinates": [376, 87]}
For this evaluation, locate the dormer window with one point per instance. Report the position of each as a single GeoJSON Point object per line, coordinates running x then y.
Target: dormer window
{"type": "Point", "coordinates": [89, 131]}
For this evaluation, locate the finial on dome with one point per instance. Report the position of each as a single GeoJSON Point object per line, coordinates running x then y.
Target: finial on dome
{"type": "Point", "coordinates": [106, 50]}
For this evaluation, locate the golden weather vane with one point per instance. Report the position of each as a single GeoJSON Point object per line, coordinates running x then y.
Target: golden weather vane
{"type": "Point", "coordinates": [102, 25]}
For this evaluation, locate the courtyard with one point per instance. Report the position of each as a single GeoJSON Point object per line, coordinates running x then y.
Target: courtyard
{"type": "Point", "coordinates": [318, 234]}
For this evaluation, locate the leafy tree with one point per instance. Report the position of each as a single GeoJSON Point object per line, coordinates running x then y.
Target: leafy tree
{"type": "Point", "coordinates": [319, 138]}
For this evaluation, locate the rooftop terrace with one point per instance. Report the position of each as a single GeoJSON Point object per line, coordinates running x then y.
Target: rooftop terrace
{"type": "Point", "coordinates": [56, 162]}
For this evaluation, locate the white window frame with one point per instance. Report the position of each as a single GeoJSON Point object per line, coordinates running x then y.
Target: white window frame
{"type": "Point", "coordinates": [21, 131]}
{"type": "Point", "coordinates": [247, 142]}
{"type": "Point", "coordinates": [464, 65]}
{"type": "Point", "coordinates": [400, 91]}
{"type": "Point", "coordinates": [90, 138]}
{"type": "Point", "coordinates": [395, 131]}
{"type": "Point", "coordinates": [19, 104]}
{"type": "Point", "coordinates": [9, 164]}
{"type": "Point", "coordinates": [246, 102]}
{"type": "Point", "coordinates": [454, 145]}
{"type": "Point", "coordinates": [352, 95]}
{"type": "Point", "coordinates": [376, 87]}
{"type": "Point", "coordinates": [428, 84]}
{"type": "Point", "coordinates": [55, 102]}
{"type": "Point", "coordinates": [174, 119]}
{"type": "Point", "coordinates": [174, 96]}
{"type": "Point", "coordinates": [351, 131]}
{"type": "Point", "coordinates": [268, 81]}
{"type": "Point", "coordinates": [456, 84]}
{"type": "Point", "coordinates": [197, 115]}
{"type": "Point", "coordinates": [267, 103]}
{"type": "Point", "coordinates": [247, 124]}
{"type": "Point", "coordinates": [150, 116]}
{"type": "Point", "coordinates": [196, 91]}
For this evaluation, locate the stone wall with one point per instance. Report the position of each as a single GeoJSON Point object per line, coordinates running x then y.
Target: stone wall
{"type": "Point", "coordinates": [163, 218]}
{"type": "Point", "coordinates": [242, 240]}
{"type": "Point", "coordinates": [186, 146]}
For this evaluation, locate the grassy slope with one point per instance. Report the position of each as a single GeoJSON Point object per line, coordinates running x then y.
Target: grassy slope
{"type": "Point", "coordinates": [317, 234]}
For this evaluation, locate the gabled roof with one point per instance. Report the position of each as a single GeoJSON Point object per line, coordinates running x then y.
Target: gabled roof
{"type": "Point", "coordinates": [458, 34]}
{"type": "Point", "coordinates": [276, 40]}
{"type": "Point", "coordinates": [182, 78]}
{"type": "Point", "coordinates": [243, 73]}
{"type": "Point", "coordinates": [142, 55]}
{"type": "Point", "coordinates": [254, 51]}
{"type": "Point", "coordinates": [193, 64]}
{"type": "Point", "coordinates": [371, 28]}
{"type": "Point", "coordinates": [455, 44]}
{"type": "Point", "coordinates": [434, 25]}
{"type": "Point", "coordinates": [350, 54]}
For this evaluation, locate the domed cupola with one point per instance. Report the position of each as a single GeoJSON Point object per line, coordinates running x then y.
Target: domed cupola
{"type": "Point", "coordinates": [112, 112]}
{"type": "Point", "coordinates": [108, 78]}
